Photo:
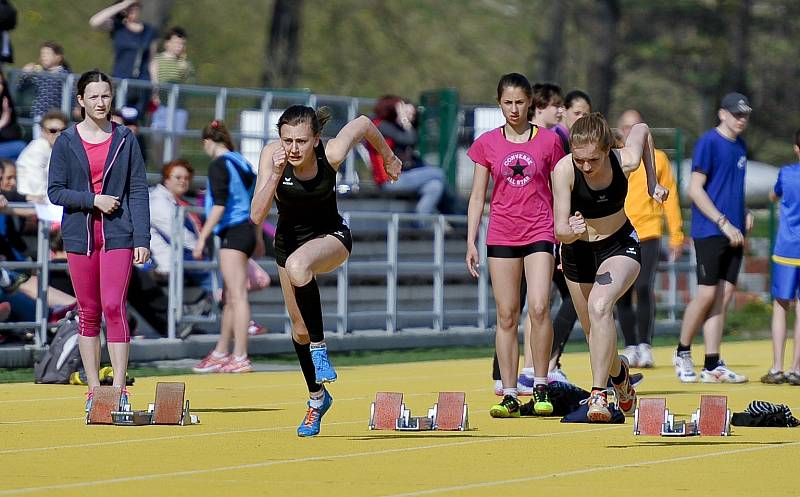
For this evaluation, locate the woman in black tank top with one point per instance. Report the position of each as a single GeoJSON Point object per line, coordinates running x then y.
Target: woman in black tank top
{"type": "Point", "coordinates": [600, 251]}
{"type": "Point", "coordinates": [299, 172]}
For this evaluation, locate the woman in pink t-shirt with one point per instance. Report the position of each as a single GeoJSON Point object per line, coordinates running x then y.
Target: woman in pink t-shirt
{"type": "Point", "coordinates": [519, 157]}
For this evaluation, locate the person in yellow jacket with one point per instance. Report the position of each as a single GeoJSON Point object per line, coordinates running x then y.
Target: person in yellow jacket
{"type": "Point", "coordinates": [647, 217]}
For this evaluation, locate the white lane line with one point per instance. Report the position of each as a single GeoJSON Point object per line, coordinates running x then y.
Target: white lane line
{"type": "Point", "coordinates": [264, 464]}
{"type": "Point", "coordinates": [576, 472]}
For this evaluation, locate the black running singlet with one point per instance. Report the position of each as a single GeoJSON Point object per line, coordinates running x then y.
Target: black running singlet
{"type": "Point", "coordinates": [307, 208]}
{"type": "Point", "coordinates": [594, 204]}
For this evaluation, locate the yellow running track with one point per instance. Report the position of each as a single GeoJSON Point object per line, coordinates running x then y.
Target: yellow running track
{"type": "Point", "coordinates": [247, 446]}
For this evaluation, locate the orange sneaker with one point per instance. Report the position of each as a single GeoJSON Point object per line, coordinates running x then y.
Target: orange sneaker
{"type": "Point", "coordinates": [237, 366]}
{"type": "Point", "coordinates": [598, 407]}
{"type": "Point", "coordinates": [211, 364]}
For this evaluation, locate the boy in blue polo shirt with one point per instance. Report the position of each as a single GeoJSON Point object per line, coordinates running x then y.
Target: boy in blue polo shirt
{"type": "Point", "coordinates": [719, 221]}
{"type": "Point", "coordinates": [786, 270]}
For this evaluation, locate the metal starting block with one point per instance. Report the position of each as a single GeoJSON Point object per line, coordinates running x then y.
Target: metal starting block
{"type": "Point", "coordinates": [105, 400]}
{"type": "Point", "coordinates": [713, 418]}
{"type": "Point", "coordinates": [170, 408]}
{"type": "Point", "coordinates": [449, 413]}
{"type": "Point", "coordinates": [653, 418]}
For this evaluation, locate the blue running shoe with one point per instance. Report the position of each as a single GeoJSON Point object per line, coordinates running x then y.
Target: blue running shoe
{"type": "Point", "coordinates": [311, 423]}
{"type": "Point", "coordinates": [323, 369]}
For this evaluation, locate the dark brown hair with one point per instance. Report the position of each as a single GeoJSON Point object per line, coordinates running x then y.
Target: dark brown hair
{"type": "Point", "coordinates": [217, 132]}
{"type": "Point", "coordinates": [93, 76]}
{"type": "Point", "coordinates": [297, 114]}
{"type": "Point", "coordinates": [546, 94]}
{"type": "Point", "coordinates": [514, 80]}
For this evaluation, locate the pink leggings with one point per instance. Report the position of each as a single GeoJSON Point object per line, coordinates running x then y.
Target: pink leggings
{"type": "Point", "coordinates": [101, 282]}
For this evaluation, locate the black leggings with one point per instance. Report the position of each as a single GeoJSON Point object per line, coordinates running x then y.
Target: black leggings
{"type": "Point", "coordinates": [637, 326]}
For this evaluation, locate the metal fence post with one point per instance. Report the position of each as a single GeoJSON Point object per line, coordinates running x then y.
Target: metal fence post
{"type": "Point", "coordinates": [66, 94]}
{"type": "Point", "coordinates": [342, 291]}
{"type": "Point", "coordinates": [438, 274]}
{"type": "Point", "coordinates": [220, 103]}
{"type": "Point", "coordinates": [121, 94]}
{"type": "Point", "coordinates": [172, 103]}
{"type": "Point", "coordinates": [483, 280]}
{"type": "Point", "coordinates": [391, 273]}
{"type": "Point", "coordinates": [43, 255]}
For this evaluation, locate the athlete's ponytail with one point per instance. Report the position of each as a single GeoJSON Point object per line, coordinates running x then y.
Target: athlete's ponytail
{"type": "Point", "coordinates": [591, 130]}
{"type": "Point", "coordinates": [297, 114]}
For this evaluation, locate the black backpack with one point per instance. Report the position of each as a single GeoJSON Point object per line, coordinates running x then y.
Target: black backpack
{"type": "Point", "coordinates": [62, 357]}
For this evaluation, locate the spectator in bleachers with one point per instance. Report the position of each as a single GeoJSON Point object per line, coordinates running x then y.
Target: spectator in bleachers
{"type": "Point", "coordinates": [11, 142]}
{"type": "Point", "coordinates": [165, 197]}
{"type": "Point", "coordinates": [133, 41]}
{"type": "Point", "coordinates": [171, 66]}
{"type": "Point", "coordinates": [129, 117]}
{"type": "Point", "coordinates": [231, 181]}
{"type": "Point", "coordinates": [12, 246]}
{"type": "Point", "coordinates": [8, 21]}
{"type": "Point", "coordinates": [34, 160]}
{"type": "Point", "coordinates": [395, 120]}
{"type": "Point", "coordinates": [47, 78]}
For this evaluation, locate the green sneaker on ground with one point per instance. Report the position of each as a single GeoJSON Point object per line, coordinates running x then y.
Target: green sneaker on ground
{"type": "Point", "coordinates": [541, 398]}
{"type": "Point", "coordinates": [507, 408]}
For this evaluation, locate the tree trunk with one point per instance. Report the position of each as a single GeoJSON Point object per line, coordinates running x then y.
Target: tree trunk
{"type": "Point", "coordinates": [550, 65]}
{"type": "Point", "coordinates": [734, 77]}
{"type": "Point", "coordinates": [157, 13]}
{"type": "Point", "coordinates": [280, 63]}
{"type": "Point", "coordinates": [603, 35]}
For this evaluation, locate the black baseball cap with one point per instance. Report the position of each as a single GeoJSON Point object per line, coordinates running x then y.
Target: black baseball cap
{"type": "Point", "coordinates": [736, 103]}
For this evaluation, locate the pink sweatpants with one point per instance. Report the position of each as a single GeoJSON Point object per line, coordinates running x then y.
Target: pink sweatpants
{"type": "Point", "coordinates": [101, 282]}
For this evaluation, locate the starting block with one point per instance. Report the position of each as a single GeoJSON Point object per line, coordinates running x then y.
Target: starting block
{"type": "Point", "coordinates": [650, 416]}
{"type": "Point", "coordinates": [449, 413]}
{"type": "Point", "coordinates": [653, 418]}
{"type": "Point", "coordinates": [386, 410]}
{"type": "Point", "coordinates": [713, 418]}
{"type": "Point", "coordinates": [105, 400]}
{"type": "Point", "coordinates": [170, 408]}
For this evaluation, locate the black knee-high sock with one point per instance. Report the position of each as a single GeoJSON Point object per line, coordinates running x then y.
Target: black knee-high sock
{"type": "Point", "coordinates": [306, 365]}
{"type": "Point", "coordinates": [308, 301]}
{"type": "Point", "coordinates": [496, 368]}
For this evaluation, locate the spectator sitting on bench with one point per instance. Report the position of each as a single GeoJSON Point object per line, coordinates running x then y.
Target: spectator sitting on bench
{"type": "Point", "coordinates": [165, 198]}
{"type": "Point", "coordinates": [395, 120]}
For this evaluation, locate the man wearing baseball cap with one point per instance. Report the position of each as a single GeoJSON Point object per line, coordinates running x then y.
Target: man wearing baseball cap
{"type": "Point", "coordinates": [719, 221]}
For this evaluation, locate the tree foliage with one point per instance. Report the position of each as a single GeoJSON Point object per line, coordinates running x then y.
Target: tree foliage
{"type": "Point", "coordinates": [672, 59]}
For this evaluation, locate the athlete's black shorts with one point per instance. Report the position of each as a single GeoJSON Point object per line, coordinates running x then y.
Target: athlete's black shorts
{"type": "Point", "coordinates": [286, 244]}
{"type": "Point", "coordinates": [580, 260]}
{"type": "Point", "coordinates": [717, 260]}
{"type": "Point", "coordinates": [241, 237]}
{"type": "Point", "coordinates": [519, 251]}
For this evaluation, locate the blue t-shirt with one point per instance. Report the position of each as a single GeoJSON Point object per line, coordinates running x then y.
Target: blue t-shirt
{"type": "Point", "coordinates": [723, 162]}
{"type": "Point", "coordinates": [131, 51]}
{"type": "Point", "coordinates": [788, 189]}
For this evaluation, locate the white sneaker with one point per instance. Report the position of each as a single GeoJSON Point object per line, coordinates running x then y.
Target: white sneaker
{"type": "Point", "coordinates": [632, 353]}
{"type": "Point", "coordinates": [557, 374]}
{"type": "Point", "coordinates": [645, 355]}
{"type": "Point", "coordinates": [721, 374]}
{"type": "Point", "coordinates": [684, 367]}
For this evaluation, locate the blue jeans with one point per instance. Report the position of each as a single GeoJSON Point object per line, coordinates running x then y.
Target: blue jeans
{"type": "Point", "coordinates": [11, 149]}
{"type": "Point", "coordinates": [426, 181]}
{"type": "Point", "coordinates": [23, 308]}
